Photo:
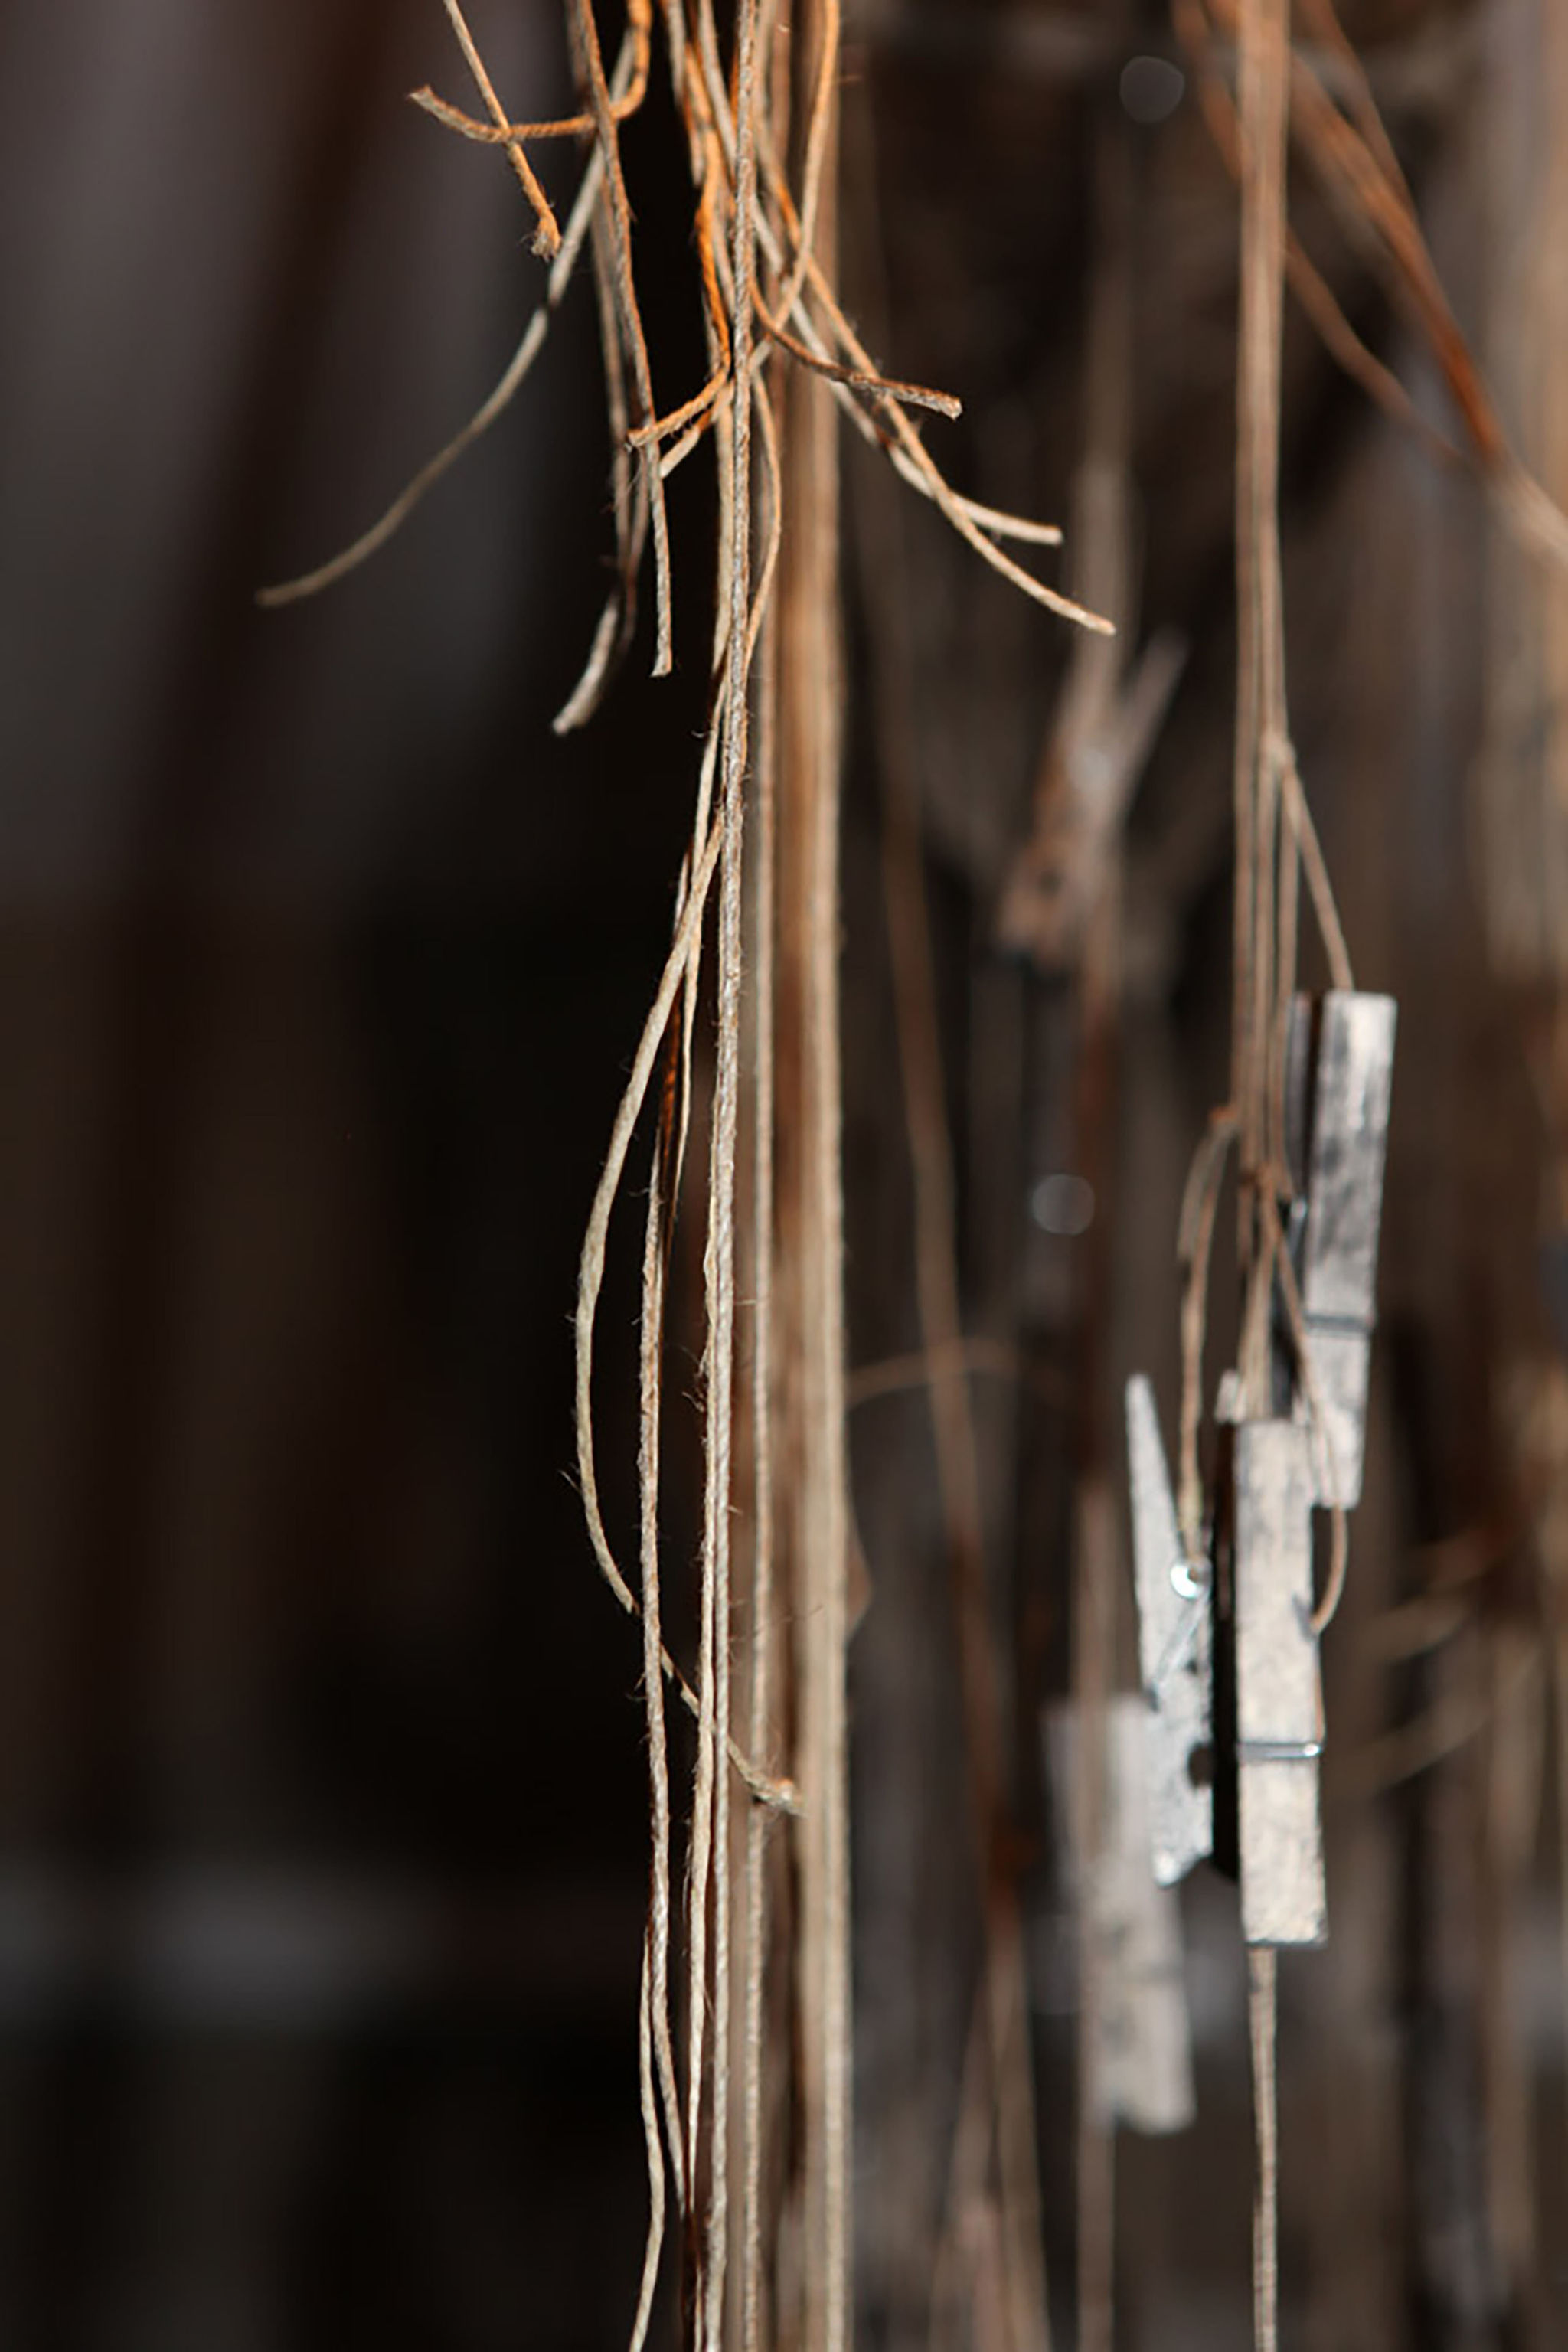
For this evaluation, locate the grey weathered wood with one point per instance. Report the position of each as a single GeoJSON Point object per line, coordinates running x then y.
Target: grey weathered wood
{"type": "Point", "coordinates": [1174, 1648]}
{"type": "Point", "coordinates": [1278, 1702]}
{"type": "Point", "coordinates": [1349, 1133]}
{"type": "Point", "coordinates": [1142, 2063]}
{"type": "Point", "coordinates": [1339, 1174]}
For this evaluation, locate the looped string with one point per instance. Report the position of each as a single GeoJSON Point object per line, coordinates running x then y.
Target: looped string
{"type": "Point", "coordinates": [1200, 1202]}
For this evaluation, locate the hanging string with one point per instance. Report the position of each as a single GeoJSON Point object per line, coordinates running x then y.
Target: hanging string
{"type": "Point", "coordinates": [751, 225]}
{"type": "Point", "coordinates": [1267, 871]}
{"type": "Point", "coordinates": [757, 1732]}
{"type": "Point", "coordinates": [719, 1256]}
{"type": "Point", "coordinates": [1194, 1242]}
{"type": "Point", "coordinates": [1261, 723]}
{"type": "Point", "coordinates": [1262, 1970]}
{"type": "Point", "coordinates": [657, 1962]}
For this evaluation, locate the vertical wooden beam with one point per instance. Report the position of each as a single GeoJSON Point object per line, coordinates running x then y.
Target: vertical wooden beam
{"type": "Point", "coordinates": [812, 1468]}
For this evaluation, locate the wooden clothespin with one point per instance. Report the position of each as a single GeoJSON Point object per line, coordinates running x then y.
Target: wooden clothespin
{"type": "Point", "coordinates": [1090, 774]}
{"type": "Point", "coordinates": [1176, 1651]}
{"type": "Point", "coordinates": [1277, 1709]}
{"type": "Point", "coordinates": [1141, 2072]}
{"type": "Point", "coordinates": [1339, 1079]}
{"type": "Point", "coordinates": [1308, 1455]}
{"type": "Point", "coordinates": [1279, 1699]}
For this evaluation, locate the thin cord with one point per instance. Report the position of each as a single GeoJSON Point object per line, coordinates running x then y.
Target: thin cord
{"type": "Point", "coordinates": [620, 215]}
{"type": "Point", "coordinates": [780, 1794]}
{"type": "Point", "coordinates": [758, 1728]}
{"type": "Point", "coordinates": [720, 1257]}
{"type": "Point", "coordinates": [657, 1942]}
{"type": "Point", "coordinates": [1194, 1242]}
{"type": "Point", "coordinates": [326, 576]}
{"type": "Point", "coordinates": [1262, 2004]}
{"type": "Point", "coordinates": [654, 2241]}
{"type": "Point", "coordinates": [547, 232]}
{"type": "Point", "coordinates": [1264, 893]}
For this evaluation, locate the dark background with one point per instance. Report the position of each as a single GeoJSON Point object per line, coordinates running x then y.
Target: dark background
{"type": "Point", "coordinates": [319, 961]}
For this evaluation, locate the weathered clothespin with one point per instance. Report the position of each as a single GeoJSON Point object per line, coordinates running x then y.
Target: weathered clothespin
{"type": "Point", "coordinates": [1278, 1705]}
{"type": "Point", "coordinates": [1142, 2069]}
{"type": "Point", "coordinates": [1175, 1648]}
{"type": "Point", "coordinates": [1279, 1701]}
{"type": "Point", "coordinates": [1339, 1079]}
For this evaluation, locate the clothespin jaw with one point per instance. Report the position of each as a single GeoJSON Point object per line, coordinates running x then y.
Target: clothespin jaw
{"type": "Point", "coordinates": [1175, 1644]}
